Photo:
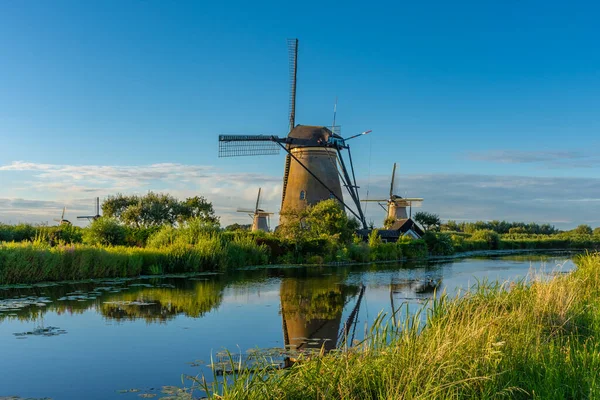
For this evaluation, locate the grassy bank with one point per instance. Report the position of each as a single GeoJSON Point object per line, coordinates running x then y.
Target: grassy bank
{"type": "Point", "coordinates": [108, 248]}
{"type": "Point", "coordinates": [524, 341]}
{"type": "Point", "coordinates": [37, 262]}
{"type": "Point", "coordinates": [179, 251]}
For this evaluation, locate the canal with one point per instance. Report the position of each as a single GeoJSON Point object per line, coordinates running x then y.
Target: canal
{"type": "Point", "coordinates": [136, 338]}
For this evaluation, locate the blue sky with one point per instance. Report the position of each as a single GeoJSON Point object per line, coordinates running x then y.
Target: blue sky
{"type": "Point", "coordinates": [490, 108]}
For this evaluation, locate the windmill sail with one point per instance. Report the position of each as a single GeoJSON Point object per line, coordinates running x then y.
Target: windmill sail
{"type": "Point", "coordinates": [257, 201]}
{"type": "Point", "coordinates": [293, 59]}
{"type": "Point", "coordinates": [393, 181]}
{"type": "Point", "coordinates": [248, 145]}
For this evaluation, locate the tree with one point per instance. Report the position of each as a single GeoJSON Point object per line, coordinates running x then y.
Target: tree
{"type": "Point", "coordinates": [329, 218]}
{"type": "Point", "coordinates": [517, 229]}
{"type": "Point", "coordinates": [388, 222]}
{"type": "Point", "coordinates": [105, 231]}
{"type": "Point", "coordinates": [583, 230]}
{"type": "Point", "coordinates": [238, 227]}
{"type": "Point", "coordinates": [326, 218]}
{"type": "Point", "coordinates": [492, 238]}
{"type": "Point", "coordinates": [429, 221]}
{"type": "Point", "coordinates": [156, 209]}
{"type": "Point", "coordinates": [451, 226]}
{"type": "Point", "coordinates": [196, 207]}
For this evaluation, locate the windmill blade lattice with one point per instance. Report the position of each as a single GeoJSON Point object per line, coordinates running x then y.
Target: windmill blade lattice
{"type": "Point", "coordinates": [247, 145]}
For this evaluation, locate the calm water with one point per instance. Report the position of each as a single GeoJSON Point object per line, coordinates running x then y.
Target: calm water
{"type": "Point", "coordinates": [94, 340]}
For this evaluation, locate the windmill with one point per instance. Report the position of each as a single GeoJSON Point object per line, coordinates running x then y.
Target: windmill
{"type": "Point", "coordinates": [260, 217]}
{"type": "Point", "coordinates": [93, 217]}
{"type": "Point", "coordinates": [62, 220]}
{"type": "Point", "coordinates": [315, 168]}
{"type": "Point", "coordinates": [397, 205]}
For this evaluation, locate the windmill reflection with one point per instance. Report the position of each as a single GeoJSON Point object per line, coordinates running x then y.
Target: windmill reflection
{"type": "Point", "coordinates": [312, 311]}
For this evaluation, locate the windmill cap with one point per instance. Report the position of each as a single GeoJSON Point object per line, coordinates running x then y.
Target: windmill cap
{"type": "Point", "coordinates": [310, 135]}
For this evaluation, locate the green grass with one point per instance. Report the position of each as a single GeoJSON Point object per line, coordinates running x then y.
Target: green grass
{"type": "Point", "coordinates": [37, 262]}
{"type": "Point", "coordinates": [538, 340]}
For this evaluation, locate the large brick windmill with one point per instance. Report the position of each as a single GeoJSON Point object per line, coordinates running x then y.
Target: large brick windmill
{"type": "Point", "coordinates": [315, 169]}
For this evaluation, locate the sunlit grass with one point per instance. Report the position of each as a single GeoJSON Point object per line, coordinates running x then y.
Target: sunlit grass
{"type": "Point", "coordinates": [536, 339]}
{"type": "Point", "coordinates": [28, 262]}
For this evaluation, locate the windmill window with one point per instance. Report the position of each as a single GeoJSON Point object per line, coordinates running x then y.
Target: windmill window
{"type": "Point", "coordinates": [302, 195]}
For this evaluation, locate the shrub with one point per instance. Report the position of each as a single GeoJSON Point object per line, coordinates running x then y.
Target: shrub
{"type": "Point", "coordinates": [439, 244]}
{"type": "Point", "coordinates": [490, 237]}
{"type": "Point", "coordinates": [412, 248]}
{"type": "Point", "coordinates": [583, 230]}
{"type": "Point", "coordinates": [105, 231]}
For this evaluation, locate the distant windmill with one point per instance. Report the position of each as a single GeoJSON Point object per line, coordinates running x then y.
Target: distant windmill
{"type": "Point", "coordinates": [314, 167]}
{"type": "Point", "coordinates": [397, 205]}
{"type": "Point", "coordinates": [93, 217]}
{"type": "Point", "coordinates": [62, 220]}
{"type": "Point", "coordinates": [260, 218]}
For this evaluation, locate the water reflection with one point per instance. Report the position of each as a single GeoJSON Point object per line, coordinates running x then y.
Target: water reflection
{"type": "Point", "coordinates": [312, 311]}
{"type": "Point", "coordinates": [160, 304]}
{"type": "Point", "coordinates": [166, 322]}
{"type": "Point", "coordinates": [154, 300]}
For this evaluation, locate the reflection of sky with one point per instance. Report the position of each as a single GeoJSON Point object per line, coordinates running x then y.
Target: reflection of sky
{"type": "Point", "coordinates": [98, 356]}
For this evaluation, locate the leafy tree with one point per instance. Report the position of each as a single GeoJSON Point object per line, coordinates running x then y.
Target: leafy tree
{"type": "Point", "coordinates": [155, 209]}
{"type": "Point", "coordinates": [388, 222]}
{"type": "Point", "coordinates": [429, 221]}
{"type": "Point", "coordinates": [326, 218]}
{"type": "Point", "coordinates": [439, 244]}
{"type": "Point", "coordinates": [583, 230]}
{"type": "Point", "coordinates": [597, 231]}
{"type": "Point", "coordinates": [105, 231]}
{"type": "Point", "coordinates": [517, 229]}
{"type": "Point", "coordinates": [197, 207]}
{"type": "Point", "coordinates": [329, 218]}
{"type": "Point", "coordinates": [492, 238]}
{"type": "Point", "coordinates": [451, 226]}
{"type": "Point", "coordinates": [238, 227]}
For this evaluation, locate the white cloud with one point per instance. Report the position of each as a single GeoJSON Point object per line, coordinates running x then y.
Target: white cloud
{"type": "Point", "coordinates": [57, 185]}
{"type": "Point", "coordinates": [565, 202]}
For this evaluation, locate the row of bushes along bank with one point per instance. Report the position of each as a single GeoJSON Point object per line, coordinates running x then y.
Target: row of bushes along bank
{"type": "Point", "coordinates": [537, 340]}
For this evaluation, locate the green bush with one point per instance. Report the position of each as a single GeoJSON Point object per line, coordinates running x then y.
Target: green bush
{"type": "Point", "coordinates": [105, 231]}
{"type": "Point", "coordinates": [413, 249]}
{"type": "Point", "coordinates": [490, 237]}
{"type": "Point", "coordinates": [439, 244]}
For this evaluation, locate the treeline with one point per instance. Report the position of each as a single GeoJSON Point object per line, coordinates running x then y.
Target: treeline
{"type": "Point", "coordinates": [501, 227]}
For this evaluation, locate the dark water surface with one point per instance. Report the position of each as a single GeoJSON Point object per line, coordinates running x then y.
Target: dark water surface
{"type": "Point", "coordinates": [96, 339]}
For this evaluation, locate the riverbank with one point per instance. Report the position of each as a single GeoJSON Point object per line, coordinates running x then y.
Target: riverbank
{"type": "Point", "coordinates": [31, 262]}
{"type": "Point", "coordinates": [528, 341]}
{"type": "Point", "coordinates": [27, 262]}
